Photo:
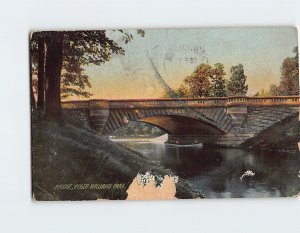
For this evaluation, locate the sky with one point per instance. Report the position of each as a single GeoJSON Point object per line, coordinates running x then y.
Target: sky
{"type": "Point", "coordinates": [177, 52]}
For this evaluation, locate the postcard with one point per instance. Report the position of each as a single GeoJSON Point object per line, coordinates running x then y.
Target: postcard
{"type": "Point", "coordinates": [159, 114]}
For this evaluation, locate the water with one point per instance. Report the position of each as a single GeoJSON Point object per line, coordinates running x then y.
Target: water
{"type": "Point", "coordinates": [216, 172]}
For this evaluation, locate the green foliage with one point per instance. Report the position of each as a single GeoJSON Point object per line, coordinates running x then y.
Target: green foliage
{"type": "Point", "coordinates": [263, 93]}
{"type": "Point", "coordinates": [237, 83]}
{"type": "Point", "coordinates": [289, 84]}
{"type": "Point", "coordinates": [74, 82]}
{"type": "Point", "coordinates": [208, 81]}
{"type": "Point", "coordinates": [289, 79]}
{"type": "Point", "coordinates": [203, 82]}
{"type": "Point", "coordinates": [136, 128]}
{"type": "Point", "coordinates": [218, 85]}
{"type": "Point", "coordinates": [198, 82]}
{"type": "Point", "coordinates": [80, 48]}
{"type": "Point", "coordinates": [182, 91]}
{"type": "Point", "coordinates": [274, 91]}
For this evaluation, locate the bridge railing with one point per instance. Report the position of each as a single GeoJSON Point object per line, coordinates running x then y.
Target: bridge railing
{"type": "Point", "coordinates": [205, 102]}
{"type": "Point", "coordinates": [75, 104]}
{"type": "Point", "coordinates": [269, 100]}
{"type": "Point", "coordinates": [167, 102]}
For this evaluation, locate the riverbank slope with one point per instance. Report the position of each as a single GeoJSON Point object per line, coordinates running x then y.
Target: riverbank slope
{"type": "Point", "coordinates": [281, 136]}
{"type": "Point", "coordinates": [63, 154]}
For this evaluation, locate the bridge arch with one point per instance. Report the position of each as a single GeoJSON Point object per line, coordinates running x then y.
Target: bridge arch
{"type": "Point", "coordinates": [182, 125]}
{"type": "Point", "coordinates": [173, 121]}
{"type": "Point", "coordinates": [238, 118]}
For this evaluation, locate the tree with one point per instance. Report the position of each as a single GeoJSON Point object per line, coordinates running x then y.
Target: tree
{"type": "Point", "coordinates": [53, 68]}
{"type": "Point", "coordinates": [41, 73]}
{"type": "Point", "coordinates": [136, 128]}
{"type": "Point", "coordinates": [274, 90]}
{"type": "Point", "coordinates": [37, 68]}
{"type": "Point", "coordinates": [289, 79]}
{"type": "Point", "coordinates": [289, 84]}
{"type": "Point", "coordinates": [218, 86]}
{"type": "Point", "coordinates": [237, 82]}
{"type": "Point", "coordinates": [182, 91]}
{"type": "Point", "coordinates": [263, 92]}
{"type": "Point", "coordinates": [198, 82]}
{"type": "Point", "coordinates": [65, 54]}
{"type": "Point", "coordinates": [31, 83]}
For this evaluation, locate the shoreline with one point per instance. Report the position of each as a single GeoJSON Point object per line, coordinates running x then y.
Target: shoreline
{"type": "Point", "coordinates": [150, 140]}
{"type": "Point", "coordinates": [66, 154]}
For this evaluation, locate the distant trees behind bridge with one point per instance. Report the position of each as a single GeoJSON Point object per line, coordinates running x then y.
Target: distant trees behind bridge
{"type": "Point", "coordinates": [210, 81]}
{"type": "Point", "coordinates": [289, 79]}
{"type": "Point", "coordinates": [136, 129]}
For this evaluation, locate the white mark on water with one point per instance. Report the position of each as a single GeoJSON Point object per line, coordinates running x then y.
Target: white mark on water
{"type": "Point", "coordinates": [247, 173]}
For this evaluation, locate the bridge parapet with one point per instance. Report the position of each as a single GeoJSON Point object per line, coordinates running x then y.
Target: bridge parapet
{"type": "Point", "coordinates": [75, 104]}
{"type": "Point", "coordinates": [183, 102]}
{"type": "Point", "coordinates": [98, 104]}
{"type": "Point", "coordinates": [268, 100]}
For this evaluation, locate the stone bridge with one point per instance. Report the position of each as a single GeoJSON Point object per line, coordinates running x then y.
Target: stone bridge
{"type": "Point", "coordinates": [227, 121]}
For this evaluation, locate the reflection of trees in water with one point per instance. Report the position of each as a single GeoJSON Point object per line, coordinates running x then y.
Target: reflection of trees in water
{"type": "Point", "coordinates": [193, 160]}
{"type": "Point", "coordinates": [136, 128]}
{"type": "Point", "coordinates": [217, 171]}
{"type": "Point", "coordinates": [220, 170]}
{"type": "Point", "coordinates": [283, 174]}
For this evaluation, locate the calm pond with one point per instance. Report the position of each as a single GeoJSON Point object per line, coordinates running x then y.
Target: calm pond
{"type": "Point", "coordinates": [217, 172]}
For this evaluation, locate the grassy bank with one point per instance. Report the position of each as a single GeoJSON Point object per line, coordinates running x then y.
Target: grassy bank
{"type": "Point", "coordinates": [63, 153]}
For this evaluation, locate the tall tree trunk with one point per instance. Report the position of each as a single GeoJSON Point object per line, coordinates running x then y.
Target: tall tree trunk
{"type": "Point", "coordinates": [32, 99]}
{"type": "Point", "coordinates": [53, 67]}
{"type": "Point", "coordinates": [41, 74]}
